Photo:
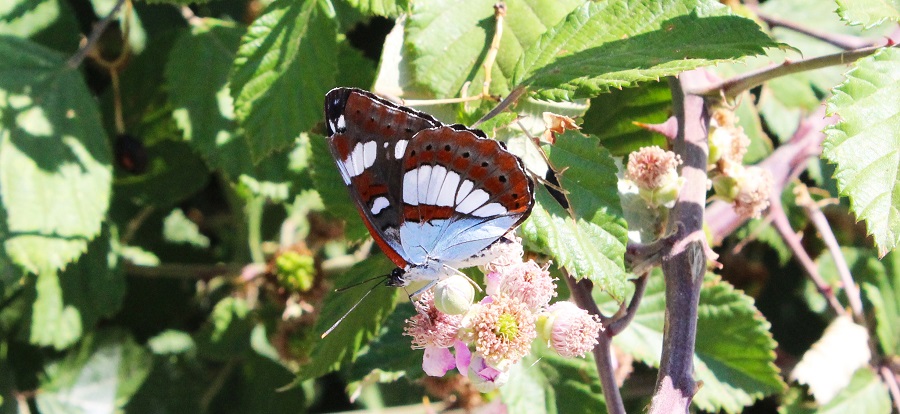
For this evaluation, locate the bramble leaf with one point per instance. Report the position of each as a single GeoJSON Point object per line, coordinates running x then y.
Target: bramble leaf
{"type": "Point", "coordinates": [100, 376]}
{"type": "Point", "coordinates": [868, 12]}
{"type": "Point", "coordinates": [593, 49]}
{"type": "Point", "coordinates": [284, 67]}
{"type": "Point", "coordinates": [865, 394]}
{"type": "Point", "coordinates": [55, 175]}
{"type": "Point", "coordinates": [865, 146]}
{"type": "Point", "coordinates": [734, 355]}
{"type": "Point", "coordinates": [342, 345]}
{"type": "Point", "coordinates": [593, 244]}
{"type": "Point", "coordinates": [545, 382]}
{"type": "Point", "coordinates": [448, 40]}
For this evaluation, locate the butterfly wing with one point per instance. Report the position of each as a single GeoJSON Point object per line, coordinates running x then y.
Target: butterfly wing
{"type": "Point", "coordinates": [461, 192]}
{"type": "Point", "coordinates": [368, 137]}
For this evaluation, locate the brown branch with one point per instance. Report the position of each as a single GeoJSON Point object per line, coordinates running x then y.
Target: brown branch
{"type": "Point", "coordinates": [620, 323]}
{"type": "Point", "coordinates": [184, 270]}
{"type": "Point", "coordinates": [783, 226]}
{"type": "Point", "coordinates": [581, 293]}
{"type": "Point", "coordinates": [685, 263]}
{"type": "Point", "coordinates": [731, 88]}
{"type": "Point", "coordinates": [821, 223]}
{"type": "Point", "coordinates": [842, 41]}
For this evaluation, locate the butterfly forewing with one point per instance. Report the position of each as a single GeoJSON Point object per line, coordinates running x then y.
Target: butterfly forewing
{"type": "Point", "coordinates": [367, 137]}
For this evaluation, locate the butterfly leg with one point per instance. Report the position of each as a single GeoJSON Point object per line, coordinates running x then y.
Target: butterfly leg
{"type": "Point", "coordinates": [423, 289]}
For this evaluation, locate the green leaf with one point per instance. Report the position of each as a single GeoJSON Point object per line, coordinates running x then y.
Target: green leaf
{"type": "Point", "coordinates": [593, 50]}
{"type": "Point", "coordinates": [386, 8]}
{"type": "Point", "coordinates": [545, 382]}
{"type": "Point", "coordinates": [203, 107]}
{"type": "Point", "coordinates": [593, 244]}
{"type": "Point", "coordinates": [342, 345]}
{"type": "Point", "coordinates": [734, 354]}
{"type": "Point", "coordinates": [174, 173]}
{"type": "Point", "coordinates": [55, 175]}
{"type": "Point", "coordinates": [285, 65]}
{"type": "Point", "coordinates": [333, 191]}
{"type": "Point", "coordinates": [868, 12]}
{"type": "Point", "coordinates": [865, 394]}
{"type": "Point", "coordinates": [391, 351]}
{"type": "Point", "coordinates": [735, 350]}
{"type": "Point", "coordinates": [177, 228]}
{"type": "Point", "coordinates": [73, 301]}
{"type": "Point", "coordinates": [448, 40]}
{"type": "Point", "coordinates": [51, 23]}
{"type": "Point", "coordinates": [177, 2]}
{"type": "Point", "coordinates": [228, 331]}
{"type": "Point", "coordinates": [612, 117]}
{"type": "Point", "coordinates": [865, 146]}
{"type": "Point", "coordinates": [100, 376]}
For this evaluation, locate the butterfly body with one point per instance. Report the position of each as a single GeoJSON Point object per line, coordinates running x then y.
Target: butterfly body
{"type": "Point", "coordinates": [434, 197]}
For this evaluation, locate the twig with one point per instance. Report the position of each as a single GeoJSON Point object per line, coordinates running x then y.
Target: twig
{"type": "Point", "coordinates": [499, 14]}
{"type": "Point", "coordinates": [184, 270]}
{"type": "Point", "coordinates": [581, 293]}
{"type": "Point", "coordinates": [92, 39]}
{"type": "Point", "coordinates": [891, 380]}
{"type": "Point", "coordinates": [619, 324]}
{"type": "Point", "coordinates": [731, 88]}
{"type": "Point", "coordinates": [842, 41]}
{"type": "Point", "coordinates": [783, 226]}
{"type": "Point", "coordinates": [685, 263]}
{"type": "Point", "coordinates": [821, 223]}
{"type": "Point", "coordinates": [135, 224]}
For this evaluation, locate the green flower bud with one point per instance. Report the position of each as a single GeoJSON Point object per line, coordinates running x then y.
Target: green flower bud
{"type": "Point", "coordinates": [454, 295]}
{"type": "Point", "coordinates": [295, 271]}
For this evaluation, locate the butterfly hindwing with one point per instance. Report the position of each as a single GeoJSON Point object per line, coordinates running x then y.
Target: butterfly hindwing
{"type": "Point", "coordinates": [367, 137]}
{"type": "Point", "coordinates": [461, 192]}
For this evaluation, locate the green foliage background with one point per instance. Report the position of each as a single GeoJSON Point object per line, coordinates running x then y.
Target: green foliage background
{"type": "Point", "coordinates": [151, 289]}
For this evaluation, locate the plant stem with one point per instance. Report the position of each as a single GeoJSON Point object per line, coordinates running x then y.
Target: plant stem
{"type": "Point", "coordinates": [92, 39]}
{"type": "Point", "coordinates": [891, 380]}
{"type": "Point", "coordinates": [254, 228]}
{"type": "Point", "coordinates": [845, 42]}
{"type": "Point", "coordinates": [780, 221]}
{"type": "Point", "coordinates": [581, 293]}
{"type": "Point", "coordinates": [821, 223]}
{"type": "Point", "coordinates": [618, 325]}
{"type": "Point", "coordinates": [731, 88]}
{"type": "Point", "coordinates": [685, 263]}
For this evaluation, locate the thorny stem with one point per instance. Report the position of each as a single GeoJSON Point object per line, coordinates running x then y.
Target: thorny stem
{"type": "Point", "coordinates": [581, 293]}
{"type": "Point", "coordinates": [618, 325]}
{"type": "Point", "coordinates": [92, 39]}
{"type": "Point", "coordinates": [845, 42]}
{"type": "Point", "coordinates": [891, 380]}
{"type": "Point", "coordinates": [783, 226]}
{"type": "Point", "coordinates": [685, 263]}
{"type": "Point", "coordinates": [821, 223]}
{"type": "Point", "coordinates": [731, 88]}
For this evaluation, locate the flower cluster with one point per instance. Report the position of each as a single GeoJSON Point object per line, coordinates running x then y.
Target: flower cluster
{"type": "Point", "coordinates": [488, 338]}
{"type": "Point", "coordinates": [747, 188]}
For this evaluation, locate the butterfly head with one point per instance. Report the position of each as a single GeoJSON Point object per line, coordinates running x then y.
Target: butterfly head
{"type": "Point", "coordinates": [396, 279]}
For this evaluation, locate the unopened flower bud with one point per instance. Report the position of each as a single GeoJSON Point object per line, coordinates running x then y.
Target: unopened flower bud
{"type": "Point", "coordinates": [454, 295]}
{"type": "Point", "coordinates": [654, 171]}
{"type": "Point", "coordinates": [571, 331]}
{"type": "Point", "coordinates": [755, 186]}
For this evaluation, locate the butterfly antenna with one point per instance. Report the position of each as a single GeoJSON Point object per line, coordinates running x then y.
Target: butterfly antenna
{"type": "Point", "coordinates": [351, 286]}
{"type": "Point", "coordinates": [352, 307]}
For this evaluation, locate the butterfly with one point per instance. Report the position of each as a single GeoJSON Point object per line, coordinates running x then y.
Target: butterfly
{"type": "Point", "coordinates": [434, 197]}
